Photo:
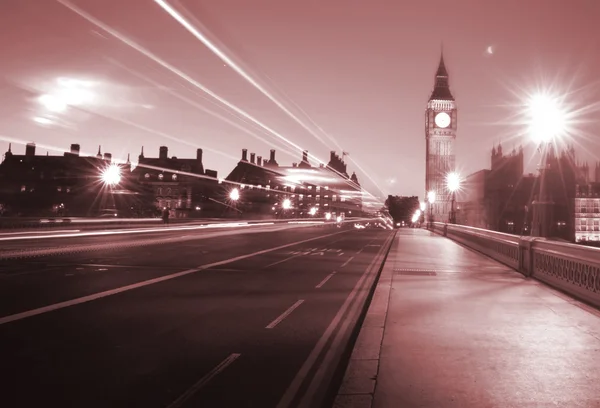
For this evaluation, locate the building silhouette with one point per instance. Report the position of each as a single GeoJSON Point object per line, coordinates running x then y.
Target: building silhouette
{"type": "Point", "coordinates": [44, 185]}
{"type": "Point", "coordinates": [440, 135]}
{"type": "Point", "coordinates": [501, 198]}
{"type": "Point", "coordinates": [180, 185]}
{"type": "Point", "coordinates": [312, 190]}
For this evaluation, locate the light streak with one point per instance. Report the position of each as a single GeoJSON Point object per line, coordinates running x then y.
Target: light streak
{"type": "Point", "coordinates": [183, 76]}
{"type": "Point", "coordinates": [219, 53]}
{"type": "Point", "coordinates": [196, 105]}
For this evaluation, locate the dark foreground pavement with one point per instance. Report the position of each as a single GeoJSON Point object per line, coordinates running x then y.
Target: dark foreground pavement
{"type": "Point", "coordinates": [258, 319]}
{"type": "Point", "coordinates": [449, 327]}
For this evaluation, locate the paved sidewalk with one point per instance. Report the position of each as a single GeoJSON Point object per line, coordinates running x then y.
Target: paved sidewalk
{"type": "Point", "coordinates": [448, 327]}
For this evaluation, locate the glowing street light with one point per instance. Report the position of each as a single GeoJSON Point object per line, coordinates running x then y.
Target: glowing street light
{"type": "Point", "coordinates": [111, 175]}
{"type": "Point", "coordinates": [453, 184]}
{"type": "Point", "coordinates": [313, 211]}
{"type": "Point", "coordinates": [547, 118]}
{"type": "Point", "coordinates": [422, 206]}
{"type": "Point", "coordinates": [328, 216]}
{"type": "Point", "coordinates": [431, 197]}
{"type": "Point", "coordinates": [234, 194]}
{"type": "Point", "coordinates": [431, 200]}
{"type": "Point", "coordinates": [287, 204]}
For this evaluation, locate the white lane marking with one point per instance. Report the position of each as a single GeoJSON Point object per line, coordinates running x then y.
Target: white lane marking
{"type": "Point", "coordinates": [287, 259]}
{"type": "Point", "coordinates": [84, 299]}
{"type": "Point", "coordinates": [359, 251]}
{"type": "Point", "coordinates": [340, 254]}
{"type": "Point", "coordinates": [324, 281]}
{"type": "Point", "coordinates": [204, 380]}
{"type": "Point", "coordinates": [35, 232]}
{"type": "Point", "coordinates": [347, 262]}
{"type": "Point", "coordinates": [284, 314]}
{"type": "Point", "coordinates": [292, 391]}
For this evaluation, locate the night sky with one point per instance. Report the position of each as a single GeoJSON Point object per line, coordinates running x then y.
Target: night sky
{"type": "Point", "coordinates": [362, 71]}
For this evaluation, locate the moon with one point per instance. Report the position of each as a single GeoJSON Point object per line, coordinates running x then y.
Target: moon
{"type": "Point", "coordinates": [489, 50]}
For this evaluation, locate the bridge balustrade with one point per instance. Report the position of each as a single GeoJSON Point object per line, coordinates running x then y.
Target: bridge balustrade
{"type": "Point", "coordinates": [571, 268]}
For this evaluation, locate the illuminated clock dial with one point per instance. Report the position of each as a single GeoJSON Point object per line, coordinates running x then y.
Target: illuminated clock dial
{"type": "Point", "coordinates": [442, 120]}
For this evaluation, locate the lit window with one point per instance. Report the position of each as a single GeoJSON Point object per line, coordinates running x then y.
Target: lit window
{"type": "Point", "coordinates": [174, 176]}
{"type": "Point", "coordinates": [160, 176]}
{"type": "Point", "coordinates": [147, 175]}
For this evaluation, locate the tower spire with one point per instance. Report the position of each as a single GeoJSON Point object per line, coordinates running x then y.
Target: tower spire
{"type": "Point", "coordinates": [441, 90]}
{"type": "Point", "coordinates": [99, 152]}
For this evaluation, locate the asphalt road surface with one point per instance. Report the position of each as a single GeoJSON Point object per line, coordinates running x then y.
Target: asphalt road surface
{"type": "Point", "coordinates": [191, 318]}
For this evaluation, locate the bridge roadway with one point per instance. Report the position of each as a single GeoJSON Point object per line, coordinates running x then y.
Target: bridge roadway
{"type": "Point", "coordinates": [177, 318]}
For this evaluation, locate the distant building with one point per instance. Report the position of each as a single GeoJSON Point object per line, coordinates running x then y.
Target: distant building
{"type": "Point", "coordinates": [67, 185]}
{"type": "Point", "coordinates": [181, 185]}
{"type": "Point", "coordinates": [440, 134]}
{"type": "Point", "coordinates": [587, 212]}
{"type": "Point", "coordinates": [311, 190]}
{"type": "Point", "coordinates": [500, 199]}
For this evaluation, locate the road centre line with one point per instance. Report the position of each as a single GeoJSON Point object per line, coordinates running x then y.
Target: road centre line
{"type": "Point", "coordinates": [292, 391]}
{"type": "Point", "coordinates": [347, 262]}
{"type": "Point", "coordinates": [324, 281]}
{"type": "Point", "coordinates": [284, 314]}
{"type": "Point", "coordinates": [297, 255]}
{"type": "Point", "coordinates": [100, 295]}
{"type": "Point", "coordinates": [203, 381]}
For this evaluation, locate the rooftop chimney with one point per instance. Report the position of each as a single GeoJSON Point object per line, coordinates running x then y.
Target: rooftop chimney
{"type": "Point", "coordinates": [30, 149]}
{"type": "Point", "coordinates": [294, 164]}
{"type": "Point", "coordinates": [305, 156]}
{"type": "Point", "coordinates": [199, 155]}
{"type": "Point", "coordinates": [163, 152]}
{"type": "Point", "coordinates": [108, 157]}
{"type": "Point", "coordinates": [252, 156]}
{"type": "Point", "coordinates": [244, 154]}
{"type": "Point", "coordinates": [259, 160]}
{"type": "Point", "coordinates": [272, 158]}
{"type": "Point", "coordinates": [75, 149]}
{"type": "Point", "coordinates": [332, 155]}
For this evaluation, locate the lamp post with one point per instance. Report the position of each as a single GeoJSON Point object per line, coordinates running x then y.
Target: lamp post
{"type": "Point", "coordinates": [431, 200]}
{"type": "Point", "coordinates": [111, 177]}
{"type": "Point", "coordinates": [546, 122]}
{"type": "Point", "coordinates": [453, 184]}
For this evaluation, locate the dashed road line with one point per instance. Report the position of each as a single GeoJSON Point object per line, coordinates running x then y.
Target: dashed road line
{"type": "Point", "coordinates": [100, 295]}
{"type": "Point", "coordinates": [203, 381]}
{"type": "Point", "coordinates": [284, 314]}
{"type": "Point", "coordinates": [324, 281]}
{"type": "Point", "coordinates": [347, 262]}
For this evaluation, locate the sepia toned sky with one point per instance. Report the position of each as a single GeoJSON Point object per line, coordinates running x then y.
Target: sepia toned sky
{"type": "Point", "coordinates": [353, 75]}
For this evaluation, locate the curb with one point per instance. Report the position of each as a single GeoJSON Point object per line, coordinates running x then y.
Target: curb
{"type": "Point", "coordinates": [358, 386]}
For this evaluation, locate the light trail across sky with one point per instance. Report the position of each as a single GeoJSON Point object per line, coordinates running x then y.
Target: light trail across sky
{"type": "Point", "coordinates": [187, 78]}
{"type": "Point", "coordinates": [225, 58]}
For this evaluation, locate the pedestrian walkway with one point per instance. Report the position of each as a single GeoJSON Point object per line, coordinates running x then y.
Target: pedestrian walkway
{"type": "Point", "coordinates": [448, 327]}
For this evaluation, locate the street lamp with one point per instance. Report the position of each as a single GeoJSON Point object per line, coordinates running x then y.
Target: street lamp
{"type": "Point", "coordinates": [287, 204]}
{"type": "Point", "coordinates": [453, 184]}
{"type": "Point", "coordinates": [313, 211]}
{"type": "Point", "coordinates": [234, 194]}
{"type": "Point", "coordinates": [431, 200]}
{"type": "Point", "coordinates": [111, 175]}
{"type": "Point", "coordinates": [547, 121]}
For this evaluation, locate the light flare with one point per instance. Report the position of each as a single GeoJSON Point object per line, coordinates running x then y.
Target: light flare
{"type": "Point", "coordinates": [227, 60]}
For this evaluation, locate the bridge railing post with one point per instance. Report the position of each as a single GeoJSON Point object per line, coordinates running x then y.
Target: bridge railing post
{"type": "Point", "coordinates": [526, 255]}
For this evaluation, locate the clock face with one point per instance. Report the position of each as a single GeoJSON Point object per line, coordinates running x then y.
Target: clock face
{"type": "Point", "coordinates": [442, 120]}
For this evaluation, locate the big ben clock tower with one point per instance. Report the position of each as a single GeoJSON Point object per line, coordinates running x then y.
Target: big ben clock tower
{"type": "Point", "coordinates": [440, 134]}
